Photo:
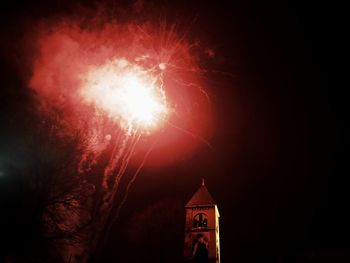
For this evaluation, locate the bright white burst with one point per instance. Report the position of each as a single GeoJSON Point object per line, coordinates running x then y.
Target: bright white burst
{"type": "Point", "coordinates": [127, 93]}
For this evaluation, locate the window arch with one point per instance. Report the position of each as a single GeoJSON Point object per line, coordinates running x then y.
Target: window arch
{"type": "Point", "coordinates": [200, 220]}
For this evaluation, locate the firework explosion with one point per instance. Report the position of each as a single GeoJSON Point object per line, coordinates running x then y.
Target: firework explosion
{"type": "Point", "coordinates": [127, 93]}
{"type": "Point", "coordinates": [115, 84]}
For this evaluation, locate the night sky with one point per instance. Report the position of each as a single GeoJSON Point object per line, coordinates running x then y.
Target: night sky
{"type": "Point", "coordinates": [277, 168]}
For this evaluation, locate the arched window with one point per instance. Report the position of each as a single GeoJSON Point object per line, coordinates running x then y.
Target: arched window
{"type": "Point", "coordinates": [200, 220]}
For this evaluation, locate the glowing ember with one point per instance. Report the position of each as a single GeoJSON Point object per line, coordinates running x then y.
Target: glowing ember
{"type": "Point", "coordinates": [127, 93]}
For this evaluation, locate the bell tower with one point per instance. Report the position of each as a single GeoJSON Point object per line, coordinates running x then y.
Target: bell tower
{"type": "Point", "coordinates": [202, 244]}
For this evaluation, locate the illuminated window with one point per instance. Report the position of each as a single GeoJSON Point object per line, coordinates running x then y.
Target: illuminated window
{"type": "Point", "coordinates": [200, 220]}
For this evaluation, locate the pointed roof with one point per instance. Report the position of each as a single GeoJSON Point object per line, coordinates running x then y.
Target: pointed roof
{"type": "Point", "coordinates": [202, 197]}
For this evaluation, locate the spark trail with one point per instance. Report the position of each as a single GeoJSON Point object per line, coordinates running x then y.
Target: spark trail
{"type": "Point", "coordinates": [114, 85]}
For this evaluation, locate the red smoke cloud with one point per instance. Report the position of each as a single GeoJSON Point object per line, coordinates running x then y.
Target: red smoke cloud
{"type": "Point", "coordinates": [67, 50]}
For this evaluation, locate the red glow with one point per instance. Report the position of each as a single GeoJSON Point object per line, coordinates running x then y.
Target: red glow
{"type": "Point", "coordinates": [139, 76]}
{"type": "Point", "coordinates": [128, 93]}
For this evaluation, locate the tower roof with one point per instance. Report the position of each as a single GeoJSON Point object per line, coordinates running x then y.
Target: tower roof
{"type": "Point", "coordinates": [202, 197]}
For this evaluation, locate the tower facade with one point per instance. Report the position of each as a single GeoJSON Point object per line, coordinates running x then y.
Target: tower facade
{"type": "Point", "coordinates": [202, 240]}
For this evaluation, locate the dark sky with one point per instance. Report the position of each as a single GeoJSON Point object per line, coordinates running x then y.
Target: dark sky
{"type": "Point", "coordinates": [278, 169]}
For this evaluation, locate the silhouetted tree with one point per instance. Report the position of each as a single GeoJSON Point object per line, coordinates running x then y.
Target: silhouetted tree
{"type": "Point", "coordinates": [46, 200]}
